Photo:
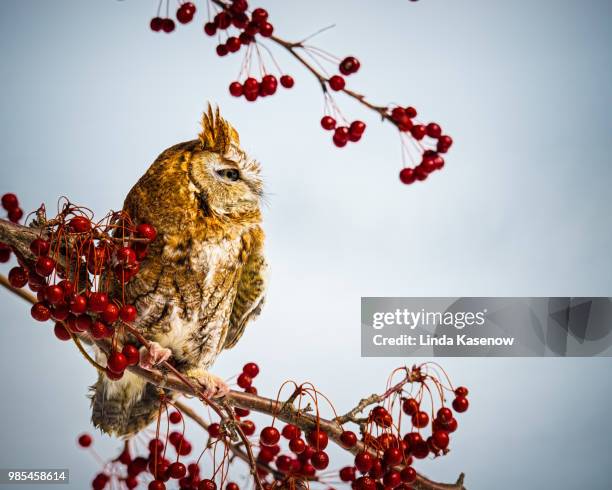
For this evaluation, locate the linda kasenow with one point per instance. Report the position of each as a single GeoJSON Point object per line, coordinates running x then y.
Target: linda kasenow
{"type": "Point", "coordinates": [423, 340]}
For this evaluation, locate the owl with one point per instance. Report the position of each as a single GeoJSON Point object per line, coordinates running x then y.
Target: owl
{"type": "Point", "coordinates": [203, 279]}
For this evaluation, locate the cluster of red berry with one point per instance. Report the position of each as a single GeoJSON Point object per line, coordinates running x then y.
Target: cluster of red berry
{"type": "Point", "coordinates": [184, 15]}
{"type": "Point", "coordinates": [11, 204]}
{"type": "Point", "coordinates": [431, 160]}
{"type": "Point", "coordinates": [251, 89]}
{"type": "Point", "coordinates": [343, 134]}
{"type": "Point", "coordinates": [157, 463]}
{"type": "Point", "coordinates": [76, 262]}
{"type": "Point", "coordinates": [236, 15]}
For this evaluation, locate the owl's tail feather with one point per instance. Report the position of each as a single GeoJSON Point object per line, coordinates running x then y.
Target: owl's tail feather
{"type": "Point", "coordinates": [123, 407]}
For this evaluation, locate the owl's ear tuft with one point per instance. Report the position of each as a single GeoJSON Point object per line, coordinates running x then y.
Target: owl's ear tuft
{"type": "Point", "coordinates": [217, 134]}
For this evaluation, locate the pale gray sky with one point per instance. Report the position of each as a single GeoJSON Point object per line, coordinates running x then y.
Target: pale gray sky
{"type": "Point", "coordinates": [90, 97]}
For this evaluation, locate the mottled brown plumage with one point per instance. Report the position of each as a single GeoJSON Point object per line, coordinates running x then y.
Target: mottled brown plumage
{"type": "Point", "coordinates": [203, 278]}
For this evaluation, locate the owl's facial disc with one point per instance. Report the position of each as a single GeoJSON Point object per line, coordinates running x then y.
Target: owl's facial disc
{"type": "Point", "coordinates": [230, 189]}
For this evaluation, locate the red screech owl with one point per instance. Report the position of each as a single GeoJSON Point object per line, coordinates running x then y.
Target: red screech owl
{"type": "Point", "coordinates": [204, 277]}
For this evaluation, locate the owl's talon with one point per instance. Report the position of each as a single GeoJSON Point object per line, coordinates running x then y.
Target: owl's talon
{"type": "Point", "coordinates": [212, 386]}
{"type": "Point", "coordinates": [153, 355]}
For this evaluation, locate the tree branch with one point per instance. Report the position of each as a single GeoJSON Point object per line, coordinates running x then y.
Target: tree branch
{"type": "Point", "coordinates": [19, 238]}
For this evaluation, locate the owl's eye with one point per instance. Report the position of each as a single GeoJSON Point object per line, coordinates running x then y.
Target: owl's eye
{"type": "Point", "coordinates": [229, 174]}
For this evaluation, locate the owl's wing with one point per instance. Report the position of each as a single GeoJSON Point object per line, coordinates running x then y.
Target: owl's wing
{"type": "Point", "coordinates": [249, 295]}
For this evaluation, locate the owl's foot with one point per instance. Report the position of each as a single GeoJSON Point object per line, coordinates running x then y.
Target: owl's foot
{"type": "Point", "coordinates": [153, 355]}
{"type": "Point", "coordinates": [212, 385]}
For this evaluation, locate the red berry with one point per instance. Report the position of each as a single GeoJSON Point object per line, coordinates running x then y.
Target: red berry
{"type": "Point", "coordinates": [251, 85]}
{"type": "Point", "coordinates": [40, 247]}
{"type": "Point", "coordinates": [177, 470]}
{"type": "Point", "coordinates": [60, 332]}
{"type": "Point", "coordinates": [45, 266]}
{"type": "Point", "coordinates": [269, 436]}
{"type": "Point", "coordinates": [98, 302]}
{"type": "Point", "coordinates": [328, 122]}
{"type": "Point", "coordinates": [128, 313]}
{"type": "Point", "coordinates": [364, 462]}
{"type": "Point", "coordinates": [235, 88]}
{"type": "Point", "coordinates": [207, 485]}
{"type": "Point", "coordinates": [241, 412]}
{"type": "Point", "coordinates": [54, 294]}
{"type": "Point", "coordinates": [357, 128]}
{"type": "Point", "coordinates": [392, 456]}
{"type": "Point", "coordinates": [266, 29]}
{"type": "Point", "coordinates": [248, 427]}
{"type": "Point", "coordinates": [233, 44]}
{"type": "Point", "coordinates": [221, 50]}
{"type": "Point", "coordinates": [260, 15]}
{"type": "Point", "coordinates": [239, 6]}
{"type": "Point", "coordinates": [411, 112]}
{"type": "Point", "coordinates": [420, 419]}
{"type": "Point", "coordinates": [407, 177]}
{"type": "Point", "coordinates": [214, 430]}
{"type": "Point", "coordinates": [99, 330]}
{"type": "Point", "coordinates": [318, 439]}
{"type": "Point", "coordinates": [156, 24]}
{"type": "Point", "coordinates": [349, 65]}
{"type": "Point", "coordinates": [336, 82]}
{"type": "Point", "coordinates": [244, 380]}
{"type": "Point", "coordinates": [365, 483]}
{"type": "Point", "coordinates": [10, 201]}
{"type": "Point", "coordinates": [297, 445]}
{"type": "Point", "coordinates": [461, 391]}
{"type": "Point", "coordinates": [440, 439]}
{"type": "Point", "coordinates": [347, 473]}
{"type": "Point", "coordinates": [168, 25]}
{"type": "Point", "coordinates": [320, 460]}
{"type": "Point", "coordinates": [418, 131]}
{"type": "Point", "coordinates": [287, 81]}
{"type": "Point", "coordinates": [40, 312]}
{"type": "Point", "coordinates": [79, 224]}
{"type": "Point", "coordinates": [60, 312]}
{"type": "Point", "coordinates": [410, 406]}
{"type": "Point", "coordinates": [433, 130]}
{"type": "Point", "coordinates": [112, 375]}
{"type": "Point", "coordinates": [14, 215]}
{"type": "Point", "coordinates": [408, 474]}
{"type": "Point", "coordinates": [451, 426]}
{"type": "Point", "coordinates": [185, 13]}
{"type": "Point", "coordinates": [78, 304]}
{"type": "Point", "coordinates": [131, 482]}
{"type": "Point", "coordinates": [132, 355]}
{"type": "Point", "coordinates": [157, 485]}
{"type": "Point", "coordinates": [83, 323]}
{"type": "Point", "coordinates": [460, 404]}
{"type": "Point", "coordinates": [210, 28]}
{"type": "Point", "coordinates": [126, 256]}
{"type": "Point", "coordinates": [420, 450]}
{"type": "Point", "coordinates": [291, 431]}
{"type": "Point", "coordinates": [444, 143]}
{"type": "Point", "coordinates": [147, 231]}
{"type": "Point", "coordinates": [110, 313]}
{"type": "Point", "coordinates": [232, 486]}
{"type": "Point", "coordinates": [444, 415]}
{"type": "Point", "coordinates": [174, 417]}
{"type": "Point", "coordinates": [348, 439]}
{"type": "Point", "coordinates": [117, 362]}
{"type": "Point", "coordinates": [392, 479]}
{"type": "Point", "coordinates": [251, 369]}
{"type": "Point", "coordinates": [85, 440]}
{"type": "Point", "coordinates": [222, 20]}
{"type": "Point", "coordinates": [245, 38]}
{"type": "Point", "coordinates": [18, 277]}
{"type": "Point", "coordinates": [269, 84]}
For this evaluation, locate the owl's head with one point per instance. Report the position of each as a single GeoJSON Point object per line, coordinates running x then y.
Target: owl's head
{"type": "Point", "coordinates": [227, 181]}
